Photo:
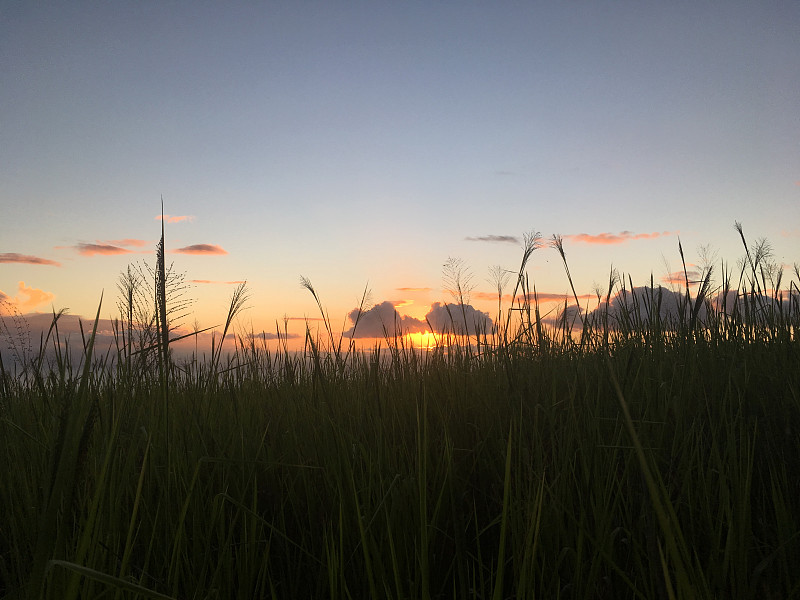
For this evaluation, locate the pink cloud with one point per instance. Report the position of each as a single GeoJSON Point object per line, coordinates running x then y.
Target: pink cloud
{"type": "Point", "coordinates": [13, 257]}
{"type": "Point", "coordinates": [488, 296]}
{"type": "Point", "coordinates": [128, 242]}
{"type": "Point", "coordinates": [615, 238]}
{"type": "Point", "coordinates": [27, 298]}
{"type": "Point", "coordinates": [175, 218]}
{"type": "Point", "coordinates": [413, 289]}
{"type": "Point", "coordinates": [549, 297]}
{"type": "Point", "coordinates": [541, 297]}
{"type": "Point", "coordinates": [679, 278]}
{"type": "Point", "coordinates": [105, 249]}
{"type": "Point", "coordinates": [201, 249]}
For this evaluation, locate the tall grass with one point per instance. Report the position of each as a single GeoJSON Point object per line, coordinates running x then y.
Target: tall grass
{"type": "Point", "coordinates": [621, 452]}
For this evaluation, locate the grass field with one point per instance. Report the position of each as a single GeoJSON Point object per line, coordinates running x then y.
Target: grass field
{"type": "Point", "coordinates": [625, 452]}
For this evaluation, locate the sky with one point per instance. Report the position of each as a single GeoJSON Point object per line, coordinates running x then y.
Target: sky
{"type": "Point", "coordinates": [362, 145]}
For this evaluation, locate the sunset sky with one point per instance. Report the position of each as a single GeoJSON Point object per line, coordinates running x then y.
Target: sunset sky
{"type": "Point", "coordinates": [362, 144]}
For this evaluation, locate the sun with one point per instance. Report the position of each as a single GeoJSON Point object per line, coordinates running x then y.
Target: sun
{"type": "Point", "coordinates": [424, 340]}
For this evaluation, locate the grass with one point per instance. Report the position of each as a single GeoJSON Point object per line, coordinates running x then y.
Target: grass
{"type": "Point", "coordinates": [624, 452]}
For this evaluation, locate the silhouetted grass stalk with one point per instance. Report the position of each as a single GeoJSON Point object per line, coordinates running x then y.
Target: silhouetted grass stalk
{"type": "Point", "coordinates": [648, 455]}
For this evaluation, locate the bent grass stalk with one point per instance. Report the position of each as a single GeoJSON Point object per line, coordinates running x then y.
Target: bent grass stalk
{"type": "Point", "coordinates": [652, 459]}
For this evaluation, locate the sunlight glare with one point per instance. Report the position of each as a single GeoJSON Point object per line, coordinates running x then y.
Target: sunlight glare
{"type": "Point", "coordinates": [424, 340]}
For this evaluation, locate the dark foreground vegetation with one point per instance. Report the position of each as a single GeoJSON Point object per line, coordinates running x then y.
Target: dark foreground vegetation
{"type": "Point", "coordinates": [624, 452]}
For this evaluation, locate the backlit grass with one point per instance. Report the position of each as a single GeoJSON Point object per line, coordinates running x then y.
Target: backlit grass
{"type": "Point", "coordinates": [622, 452]}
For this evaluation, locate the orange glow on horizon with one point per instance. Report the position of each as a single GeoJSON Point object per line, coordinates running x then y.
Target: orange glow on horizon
{"type": "Point", "coordinates": [425, 340]}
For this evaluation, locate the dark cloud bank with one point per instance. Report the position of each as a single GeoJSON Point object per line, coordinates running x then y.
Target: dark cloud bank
{"type": "Point", "coordinates": [644, 303]}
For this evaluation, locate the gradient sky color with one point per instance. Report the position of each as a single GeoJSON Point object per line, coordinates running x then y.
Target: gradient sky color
{"type": "Point", "coordinates": [362, 144]}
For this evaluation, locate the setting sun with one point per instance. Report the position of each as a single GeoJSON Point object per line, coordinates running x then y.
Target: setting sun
{"type": "Point", "coordinates": [399, 299]}
{"type": "Point", "coordinates": [425, 340]}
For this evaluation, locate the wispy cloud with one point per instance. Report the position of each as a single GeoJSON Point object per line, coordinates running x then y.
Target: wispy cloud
{"type": "Point", "coordinates": [790, 233]}
{"type": "Point", "coordinates": [274, 336]}
{"type": "Point", "coordinates": [13, 257]}
{"type": "Point", "coordinates": [128, 242]}
{"type": "Point", "coordinates": [175, 218]}
{"type": "Point", "coordinates": [615, 238]}
{"type": "Point", "coordinates": [27, 298]}
{"type": "Point", "coordinates": [495, 239]}
{"type": "Point", "coordinates": [201, 249]}
{"type": "Point", "coordinates": [679, 278]}
{"type": "Point", "coordinates": [105, 249]}
{"type": "Point", "coordinates": [549, 297]}
{"type": "Point", "coordinates": [401, 303]}
{"type": "Point", "coordinates": [413, 289]}
{"type": "Point", "coordinates": [541, 297]}
{"type": "Point", "coordinates": [214, 282]}
{"type": "Point", "coordinates": [488, 296]}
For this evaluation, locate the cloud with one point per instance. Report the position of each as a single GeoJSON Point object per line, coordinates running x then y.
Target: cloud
{"type": "Point", "coordinates": [175, 218]}
{"type": "Point", "coordinates": [215, 282]}
{"type": "Point", "coordinates": [541, 297]}
{"type": "Point", "coordinates": [489, 296]}
{"type": "Point", "coordinates": [274, 336]}
{"type": "Point", "coordinates": [128, 242]}
{"type": "Point", "coordinates": [33, 297]}
{"type": "Point", "coordinates": [550, 297]}
{"type": "Point", "coordinates": [401, 303]}
{"type": "Point", "coordinates": [201, 249]}
{"type": "Point", "coordinates": [459, 319]}
{"type": "Point", "coordinates": [569, 314]}
{"type": "Point", "coordinates": [642, 304]}
{"type": "Point", "coordinates": [735, 302]}
{"type": "Point", "coordinates": [668, 303]}
{"type": "Point", "coordinates": [502, 239]}
{"type": "Point", "coordinates": [679, 278]}
{"type": "Point", "coordinates": [614, 238]}
{"type": "Point", "coordinates": [13, 257]}
{"type": "Point", "coordinates": [381, 320]}
{"type": "Point", "coordinates": [27, 298]}
{"type": "Point", "coordinates": [790, 233]}
{"type": "Point", "coordinates": [6, 305]}
{"type": "Point", "coordinates": [413, 289]}
{"type": "Point", "coordinates": [105, 249]}
{"type": "Point", "coordinates": [37, 325]}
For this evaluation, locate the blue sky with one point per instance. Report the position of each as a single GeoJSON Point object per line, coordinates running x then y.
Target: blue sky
{"type": "Point", "coordinates": [364, 143]}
